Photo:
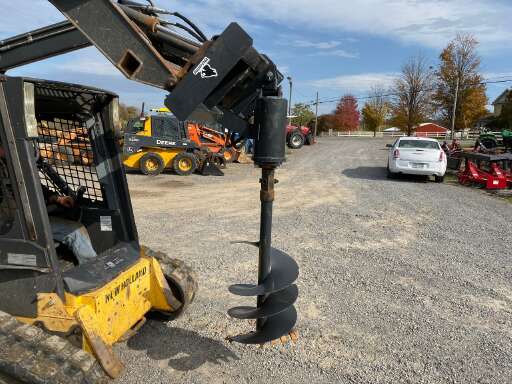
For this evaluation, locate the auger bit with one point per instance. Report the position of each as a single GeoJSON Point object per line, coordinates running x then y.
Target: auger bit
{"type": "Point", "coordinates": [276, 292]}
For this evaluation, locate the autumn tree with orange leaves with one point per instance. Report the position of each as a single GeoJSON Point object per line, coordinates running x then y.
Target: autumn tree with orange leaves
{"type": "Point", "coordinates": [460, 61]}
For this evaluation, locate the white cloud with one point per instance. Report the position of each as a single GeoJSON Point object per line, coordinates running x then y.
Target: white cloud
{"type": "Point", "coordinates": [24, 15]}
{"type": "Point", "coordinates": [339, 53]}
{"type": "Point", "coordinates": [89, 62]}
{"type": "Point", "coordinates": [426, 22]}
{"type": "Point", "coordinates": [324, 48]}
{"type": "Point", "coordinates": [358, 84]}
{"type": "Point", "coordinates": [316, 45]}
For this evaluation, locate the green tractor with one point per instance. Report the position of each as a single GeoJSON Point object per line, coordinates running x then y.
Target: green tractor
{"type": "Point", "coordinates": [489, 141]}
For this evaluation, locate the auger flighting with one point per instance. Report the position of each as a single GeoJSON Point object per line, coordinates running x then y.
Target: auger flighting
{"type": "Point", "coordinates": [276, 292]}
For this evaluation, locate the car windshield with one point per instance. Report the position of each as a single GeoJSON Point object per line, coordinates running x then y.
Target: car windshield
{"type": "Point", "coordinates": [421, 144]}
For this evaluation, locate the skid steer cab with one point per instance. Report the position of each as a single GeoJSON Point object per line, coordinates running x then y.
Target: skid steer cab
{"type": "Point", "coordinates": [159, 142]}
{"type": "Point", "coordinates": [58, 144]}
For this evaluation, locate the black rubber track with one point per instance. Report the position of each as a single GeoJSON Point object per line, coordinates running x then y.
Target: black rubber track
{"type": "Point", "coordinates": [30, 355]}
{"type": "Point", "coordinates": [182, 281]}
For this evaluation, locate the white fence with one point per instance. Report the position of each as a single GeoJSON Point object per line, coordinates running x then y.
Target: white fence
{"type": "Point", "coordinates": [465, 135]}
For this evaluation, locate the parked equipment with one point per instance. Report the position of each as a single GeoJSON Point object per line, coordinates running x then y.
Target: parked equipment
{"type": "Point", "coordinates": [296, 137]}
{"type": "Point", "coordinates": [197, 135]}
{"type": "Point", "coordinates": [492, 142]}
{"type": "Point", "coordinates": [106, 300]}
{"type": "Point", "coordinates": [221, 143]}
{"type": "Point", "coordinates": [486, 171]}
{"type": "Point", "coordinates": [157, 142]}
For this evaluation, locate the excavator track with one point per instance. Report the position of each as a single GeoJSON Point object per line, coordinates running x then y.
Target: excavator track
{"type": "Point", "coordinates": [31, 356]}
{"type": "Point", "coordinates": [181, 278]}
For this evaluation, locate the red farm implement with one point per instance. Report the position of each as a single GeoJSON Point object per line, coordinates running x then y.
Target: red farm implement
{"type": "Point", "coordinates": [486, 171]}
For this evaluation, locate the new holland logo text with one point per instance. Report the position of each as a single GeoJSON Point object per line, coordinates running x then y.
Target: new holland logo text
{"type": "Point", "coordinates": [125, 284]}
{"type": "Point", "coordinates": [205, 69]}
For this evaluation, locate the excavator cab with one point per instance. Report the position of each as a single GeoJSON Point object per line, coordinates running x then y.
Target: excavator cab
{"type": "Point", "coordinates": [102, 301]}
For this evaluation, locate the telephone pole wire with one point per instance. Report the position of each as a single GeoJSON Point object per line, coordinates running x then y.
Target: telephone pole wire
{"type": "Point", "coordinates": [316, 118]}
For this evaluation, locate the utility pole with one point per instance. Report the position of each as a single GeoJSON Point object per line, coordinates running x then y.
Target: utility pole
{"type": "Point", "coordinates": [316, 118]}
{"type": "Point", "coordinates": [454, 116]}
{"type": "Point", "coordinates": [290, 100]}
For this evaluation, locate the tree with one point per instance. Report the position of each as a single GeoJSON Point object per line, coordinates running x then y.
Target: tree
{"type": "Point", "coordinates": [326, 122]}
{"type": "Point", "coordinates": [127, 112]}
{"type": "Point", "coordinates": [412, 91]}
{"type": "Point", "coordinates": [504, 120]}
{"type": "Point", "coordinates": [460, 61]}
{"type": "Point", "coordinates": [346, 115]}
{"type": "Point", "coordinates": [304, 114]}
{"type": "Point", "coordinates": [376, 110]}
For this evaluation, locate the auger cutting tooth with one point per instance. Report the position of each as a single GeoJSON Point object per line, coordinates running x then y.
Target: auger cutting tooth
{"type": "Point", "coordinates": [274, 328]}
{"type": "Point", "coordinates": [273, 305]}
{"type": "Point", "coordinates": [284, 272]}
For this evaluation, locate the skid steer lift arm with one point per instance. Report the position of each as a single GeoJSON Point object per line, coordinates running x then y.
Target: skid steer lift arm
{"type": "Point", "coordinates": [225, 75]}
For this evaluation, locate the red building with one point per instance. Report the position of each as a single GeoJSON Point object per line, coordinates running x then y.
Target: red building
{"type": "Point", "coordinates": [430, 129]}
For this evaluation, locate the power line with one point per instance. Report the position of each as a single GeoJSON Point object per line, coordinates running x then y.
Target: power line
{"type": "Point", "coordinates": [337, 98]}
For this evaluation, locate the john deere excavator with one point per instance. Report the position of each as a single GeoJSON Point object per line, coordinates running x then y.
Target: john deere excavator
{"type": "Point", "coordinates": [58, 318]}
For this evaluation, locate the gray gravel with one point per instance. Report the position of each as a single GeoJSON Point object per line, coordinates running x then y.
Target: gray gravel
{"type": "Point", "coordinates": [402, 281]}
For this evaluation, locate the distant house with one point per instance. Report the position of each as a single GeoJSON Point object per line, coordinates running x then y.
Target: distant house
{"type": "Point", "coordinates": [500, 102]}
{"type": "Point", "coordinates": [427, 129]}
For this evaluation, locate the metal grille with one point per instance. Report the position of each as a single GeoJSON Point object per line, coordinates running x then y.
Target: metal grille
{"type": "Point", "coordinates": [7, 200]}
{"type": "Point", "coordinates": [66, 145]}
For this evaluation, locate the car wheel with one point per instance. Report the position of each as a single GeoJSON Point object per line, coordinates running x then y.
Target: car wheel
{"type": "Point", "coordinates": [439, 179]}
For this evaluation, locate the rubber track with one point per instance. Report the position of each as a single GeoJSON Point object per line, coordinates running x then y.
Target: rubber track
{"type": "Point", "coordinates": [30, 355]}
{"type": "Point", "coordinates": [180, 273]}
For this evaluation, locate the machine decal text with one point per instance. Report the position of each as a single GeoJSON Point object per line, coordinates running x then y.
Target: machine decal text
{"type": "Point", "coordinates": [125, 284]}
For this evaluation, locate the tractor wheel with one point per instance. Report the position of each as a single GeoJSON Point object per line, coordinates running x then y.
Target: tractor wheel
{"type": "Point", "coordinates": [309, 139]}
{"type": "Point", "coordinates": [230, 155]}
{"type": "Point", "coordinates": [489, 143]}
{"type": "Point", "coordinates": [181, 279]}
{"type": "Point", "coordinates": [151, 164]}
{"type": "Point", "coordinates": [296, 140]}
{"type": "Point", "coordinates": [184, 164]}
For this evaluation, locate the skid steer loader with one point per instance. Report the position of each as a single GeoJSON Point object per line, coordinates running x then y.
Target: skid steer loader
{"type": "Point", "coordinates": [60, 317]}
{"type": "Point", "coordinates": [157, 142]}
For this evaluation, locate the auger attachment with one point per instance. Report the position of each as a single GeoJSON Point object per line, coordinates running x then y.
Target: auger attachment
{"type": "Point", "coordinates": [276, 292]}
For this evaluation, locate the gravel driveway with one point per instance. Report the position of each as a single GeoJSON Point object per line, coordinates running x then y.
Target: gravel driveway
{"type": "Point", "coordinates": [402, 281]}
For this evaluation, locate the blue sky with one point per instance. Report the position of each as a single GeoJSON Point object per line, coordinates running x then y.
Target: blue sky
{"type": "Point", "coordinates": [330, 46]}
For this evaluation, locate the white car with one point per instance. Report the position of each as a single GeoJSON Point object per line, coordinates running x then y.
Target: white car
{"type": "Point", "coordinates": [417, 156]}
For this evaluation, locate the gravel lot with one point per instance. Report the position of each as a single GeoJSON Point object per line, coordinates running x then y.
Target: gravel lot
{"type": "Point", "coordinates": [402, 281]}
